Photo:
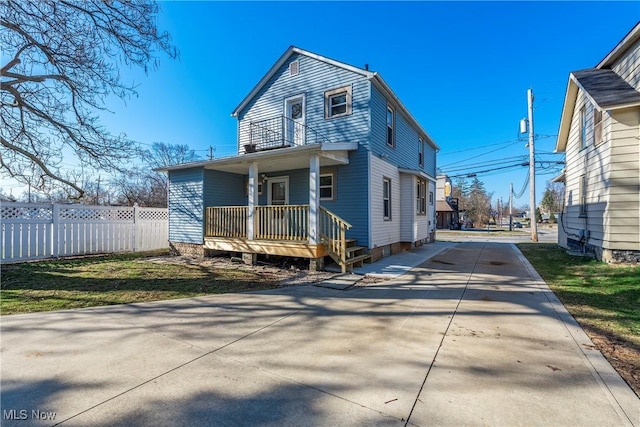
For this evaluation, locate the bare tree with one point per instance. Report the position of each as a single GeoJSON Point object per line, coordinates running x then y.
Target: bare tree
{"type": "Point", "coordinates": [61, 60]}
{"type": "Point", "coordinates": [146, 187]}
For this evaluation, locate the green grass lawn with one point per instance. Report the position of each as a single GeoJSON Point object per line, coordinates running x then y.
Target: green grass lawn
{"type": "Point", "coordinates": [602, 297]}
{"type": "Point", "coordinates": [115, 279]}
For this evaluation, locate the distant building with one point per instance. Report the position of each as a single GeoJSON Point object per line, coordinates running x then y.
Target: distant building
{"type": "Point", "coordinates": [447, 209]}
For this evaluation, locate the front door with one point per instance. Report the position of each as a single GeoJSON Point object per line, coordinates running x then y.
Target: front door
{"type": "Point", "coordinates": [278, 195]}
{"type": "Point", "coordinates": [294, 126]}
{"type": "Point", "coordinates": [278, 191]}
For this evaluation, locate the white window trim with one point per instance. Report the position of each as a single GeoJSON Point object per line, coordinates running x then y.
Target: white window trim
{"type": "Point", "coordinates": [294, 68]}
{"type": "Point", "coordinates": [387, 181]}
{"type": "Point", "coordinates": [421, 197]}
{"type": "Point", "coordinates": [582, 136]}
{"type": "Point", "coordinates": [327, 102]}
{"type": "Point", "coordinates": [333, 180]}
{"type": "Point", "coordinates": [393, 126]}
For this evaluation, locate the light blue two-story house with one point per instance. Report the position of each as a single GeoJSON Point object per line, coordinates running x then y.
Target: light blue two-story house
{"type": "Point", "coordinates": [330, 163]}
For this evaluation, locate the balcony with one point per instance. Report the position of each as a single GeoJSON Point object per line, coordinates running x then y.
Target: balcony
{"type": "Point", "coordinates": [281, 132]}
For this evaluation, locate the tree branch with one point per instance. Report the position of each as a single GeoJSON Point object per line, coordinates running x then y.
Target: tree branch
{"type": "Point", "coordinates": [42, 166]}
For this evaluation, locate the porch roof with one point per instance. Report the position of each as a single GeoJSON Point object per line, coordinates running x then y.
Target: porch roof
{"type": "Point", "coordinates": [331, 154]}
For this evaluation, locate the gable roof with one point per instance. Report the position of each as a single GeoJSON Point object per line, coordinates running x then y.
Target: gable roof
{"type": "Point", "coordinates": [602, 86]}
{"type": "Point", "coordinates": [607, 89]}
{"type": "Point", "coordinates": [369, 75]}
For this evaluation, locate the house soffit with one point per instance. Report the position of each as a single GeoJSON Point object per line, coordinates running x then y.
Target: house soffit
{"type": "Point", "coordinates": [285, 159]}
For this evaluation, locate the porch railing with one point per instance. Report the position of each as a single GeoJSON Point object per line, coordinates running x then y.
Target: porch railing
{"type": "Point", "coordinates": [226, 221]}
{"type": "Point", "coordinates": [281, 131]}
{"type": "Point", "coordinates": [287, 222]}
{"type": "Point", "coordinates": [333, 230]}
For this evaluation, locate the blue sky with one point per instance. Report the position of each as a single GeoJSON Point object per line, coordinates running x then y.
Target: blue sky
{"type": "Point", "coordinates": [461, 68]}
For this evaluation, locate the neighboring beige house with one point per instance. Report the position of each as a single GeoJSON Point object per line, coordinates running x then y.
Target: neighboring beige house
{"type": "Point", "coordinates": [600, 136]}
{"type": "Point", "coordinates": [447, 215]}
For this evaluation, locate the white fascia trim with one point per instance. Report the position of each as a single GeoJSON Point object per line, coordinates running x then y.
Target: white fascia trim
{"type": "Point", "coordinates": [571, 95]}
{"type": "Point", "coordinates": [420, 174]}
{"type": "Point", "coordinates": [384, 87]}
{"type": "Point", "coordinates": [339, 146]}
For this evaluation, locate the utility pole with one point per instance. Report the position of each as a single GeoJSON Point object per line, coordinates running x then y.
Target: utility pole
{"type": "Point", "coordinates": [511, 207]}
{"type": "Point", "coordinates": [211, 152]}
{"type": "Point", "coordinates": [532, 170]}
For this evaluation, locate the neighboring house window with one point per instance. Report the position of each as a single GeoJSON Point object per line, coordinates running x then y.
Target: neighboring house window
{"type": "Point", "coordinates": [421, 152]}
{"type": "Point", "coordinates": [337, 102]}
{"type": "Point", "coordinates": [583, 195]}
{"type": "Point", "coordinates": [583, 127]}
{"type": "Point", "coordinates": [597, 126]}
{"type": "Point", "coordinates": [386, 198]}
{"type": "Point", "coordinates": [326, 186]}
{"type": "Point", "coordinates": [391, 124]}
{"type": "Point", "coordinates": [294, 68]}
{"type": "Point", "coordinates": [421, 199]}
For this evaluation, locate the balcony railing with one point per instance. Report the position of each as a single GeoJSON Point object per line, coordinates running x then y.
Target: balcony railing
{"type": "Point", "coordinates": [279, 132]}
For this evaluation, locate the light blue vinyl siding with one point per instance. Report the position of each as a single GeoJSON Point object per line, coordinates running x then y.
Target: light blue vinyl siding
{"type": "Point", "coordinates": [314, 79]}
{"type": "Point", "coordinates": [405, 153]}
{"type": "Point", "coordinates": [186, 217]}
{"type": "Point", "coordinates": [224, 189]}
{"type": "Point", "coordinates": [352, 195]}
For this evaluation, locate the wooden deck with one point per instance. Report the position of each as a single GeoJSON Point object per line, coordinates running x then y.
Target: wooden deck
{"type": "Point", "coordinates": [267, 247]}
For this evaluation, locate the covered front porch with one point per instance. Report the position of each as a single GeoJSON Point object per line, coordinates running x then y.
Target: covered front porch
{"type": "Point", "coordinates": [267, 222]}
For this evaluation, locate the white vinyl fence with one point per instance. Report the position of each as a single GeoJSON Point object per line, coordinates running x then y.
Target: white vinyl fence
{"type": "Point", "coordinates": [36, 231]}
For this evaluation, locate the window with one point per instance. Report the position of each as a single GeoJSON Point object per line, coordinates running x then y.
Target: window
{"type": "Point", "coordinates": [326, 186]}
{"type": "Point", "coordinates": [421, 197]}
{"type": "Point", "coordinates": [294, 68]}
{"type": "Point", "coordinates": [583, 195]}
{"type": "Point", "coordinates": [386, 198]}
{"type": "Point", "coordinates": [337, 102]}
{"type": "Point", "coordinates": [430, 198]}
{"type": "Point", "coordinates": [597, 126]}
{"type": "Point", "coordinates": [421, 152]}
{"type": "Point", "coordinates": [391, 123]}
{"type": "Point", "coordinates": [583, 127]}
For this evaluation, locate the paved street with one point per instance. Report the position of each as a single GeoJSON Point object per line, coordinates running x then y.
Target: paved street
{"type": "Point", "coordinates": [472, 336]}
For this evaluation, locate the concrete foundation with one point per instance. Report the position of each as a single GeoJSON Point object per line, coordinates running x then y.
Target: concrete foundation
{"type": "Point", "coordinates": [249, 258]}
{"type": "Point", "coordinates": [316, 264]}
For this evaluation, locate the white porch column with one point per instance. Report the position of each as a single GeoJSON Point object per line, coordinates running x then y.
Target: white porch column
{"type": "Point", "coordinates": [314, 199]}
{"type": "Point", "coordinates": [253, 200]}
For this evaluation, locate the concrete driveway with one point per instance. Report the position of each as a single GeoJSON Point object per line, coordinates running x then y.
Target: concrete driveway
{"type": "Point", "coordinates": [470, 337]}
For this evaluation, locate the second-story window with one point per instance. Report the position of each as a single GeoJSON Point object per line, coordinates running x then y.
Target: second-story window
{"type": "Point", "coordinates": [597, 126]}
{"type": "Point", "coordinates": [421, 152]}
{"type": "Point", "coordinates": [391, 124]}
{"type": "Point", "coordinates": [583, 127]}
{"type": "Point", "coordinates": [337, 102]}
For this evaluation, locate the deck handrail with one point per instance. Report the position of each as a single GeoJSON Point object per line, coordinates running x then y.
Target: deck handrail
{"type": "Point", "coordinates": [281, 131]}
{"type": "Point", "coordinates": [226, 221]}
{"type": "Point", "coordinates": [333, 234]}
{"type": "Point", "coordinates": [282, 222]}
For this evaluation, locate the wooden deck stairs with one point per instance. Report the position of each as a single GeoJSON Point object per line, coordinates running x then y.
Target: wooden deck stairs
{"type": "Point", "coordinates": [356, 255]}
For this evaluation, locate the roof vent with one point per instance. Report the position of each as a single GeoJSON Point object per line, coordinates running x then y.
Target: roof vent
{"type": "Point", "coordinates": [294, 68]}
{"type": "Point", "coordinates": [366, 67]}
